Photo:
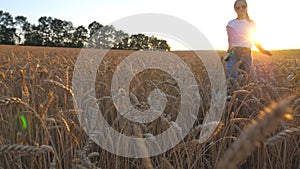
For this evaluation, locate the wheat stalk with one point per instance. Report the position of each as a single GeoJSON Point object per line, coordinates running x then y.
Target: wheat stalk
{"type": "Point", "coordinates": [53, 164]}
{"type": "Point", "coordinates": [283, 135]}
{"type": "Point", "coordinates": [93, 154]}
{"type": "Point", "coordinates": [243, 120]}
{"type": "Point", "coordinates": [64, 121]}
{"type": "Point", "coordinates": [237, 66]}
{"type": "Point", "coordinates": [25, 90]}
{"type": "Point", "coordinates": [15, 100]}
{"type": "Point", "coordinates": [22, 149]}
{"type": "Point", "coordinates": [85, 159]}
{"type": "Point", "coordinates": [49, 102]}
{"type": "Point", "coordinates": [255, 134]}
{"type": "Point", "coordinates": [66, 88]}
{"type": "Point", "coordinates": [197, 129]}
{"type": "Point", "coordinates": [88, 145]}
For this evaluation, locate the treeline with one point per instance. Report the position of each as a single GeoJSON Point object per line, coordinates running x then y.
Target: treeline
{"type": "Point", "coordinates": [59, 33]}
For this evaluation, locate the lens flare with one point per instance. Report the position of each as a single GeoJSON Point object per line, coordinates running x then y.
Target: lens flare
{"type": "Point", "coordinates": [23, 121]}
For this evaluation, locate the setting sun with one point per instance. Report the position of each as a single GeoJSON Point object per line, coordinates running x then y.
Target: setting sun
{"type": "Point", "coordinates": [275, 23]}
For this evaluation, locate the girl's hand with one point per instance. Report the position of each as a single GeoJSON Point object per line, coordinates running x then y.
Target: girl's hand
{"type": "Point", "coordinates": [261, 49]}
{"type": "Point", "coordinates": [267, 52]}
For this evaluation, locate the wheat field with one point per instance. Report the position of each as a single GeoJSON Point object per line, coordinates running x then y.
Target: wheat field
{"type": "Point", "coordinates": [39, 127]}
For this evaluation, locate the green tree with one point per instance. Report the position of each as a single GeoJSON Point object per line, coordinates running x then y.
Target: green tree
{"type": "Point", "coordinates": [21, 25]}
{"type": "Point", "coordinates": [61, 33]}
{"type": "Point", "coordinates": [67, 32]}
{"type": "Point", "coordinates": [43, 30]}
{"type": "Point", "coordinates": [50, 32]}
{"type": "Point", "coordinates": [158, 44]}
{"type": "Point", "coordinates": [7, 30]}
{"type": "Point", "coordinates": [94, 29]}
{"type": "Point", "coordinates": [142, 42]}
{"type": "Point", "coordinates": [79, 37]}
{"type": "Point", "coordinates": [104, 37]}
{"type": "Point", "coordinates": [33, 37]}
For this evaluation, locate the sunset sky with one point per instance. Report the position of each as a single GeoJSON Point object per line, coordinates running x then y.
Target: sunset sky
{"type": "Point", "coordinates": [277, 21]}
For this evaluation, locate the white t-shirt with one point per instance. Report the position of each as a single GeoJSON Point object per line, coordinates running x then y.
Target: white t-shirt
{"type": "Point", "coordinates": [240, 33]}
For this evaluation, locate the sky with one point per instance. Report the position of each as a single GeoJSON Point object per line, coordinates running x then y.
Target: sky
{"type": "Point", "coordinates": [277, 21]}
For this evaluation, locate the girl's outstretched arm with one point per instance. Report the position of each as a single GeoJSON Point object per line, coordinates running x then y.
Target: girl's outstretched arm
{"type": "Point", "coordinates": [261, 49]}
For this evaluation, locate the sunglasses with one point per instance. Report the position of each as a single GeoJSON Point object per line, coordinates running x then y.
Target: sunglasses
{"type": "Point", "coordinates": [239, 7]}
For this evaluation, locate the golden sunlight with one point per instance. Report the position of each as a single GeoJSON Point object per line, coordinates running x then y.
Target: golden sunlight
{"type": "Point", "coordinates": [273, 28]}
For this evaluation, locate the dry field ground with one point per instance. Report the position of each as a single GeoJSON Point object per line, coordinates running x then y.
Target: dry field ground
{"type": "Point", "coordinates": [40, 129]}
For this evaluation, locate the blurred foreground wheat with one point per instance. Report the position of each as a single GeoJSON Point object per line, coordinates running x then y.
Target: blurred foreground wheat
{"type": "Point", "coordinates": [40, 129]}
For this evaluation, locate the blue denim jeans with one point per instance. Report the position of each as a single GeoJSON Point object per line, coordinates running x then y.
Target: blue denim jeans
{"type": "Point", "coordinates": [240, 53]}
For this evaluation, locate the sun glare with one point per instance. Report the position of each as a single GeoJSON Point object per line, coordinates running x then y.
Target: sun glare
{"type": "Point", "coordinates": [273, 28]}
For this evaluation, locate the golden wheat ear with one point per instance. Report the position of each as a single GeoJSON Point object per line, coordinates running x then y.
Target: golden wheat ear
{"type": "Point", "coordinates": [255, 134]}
{"type": "Point", "coordinates": [282, 135]}
{"type": "Point", "coordinates": [23, 149]}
